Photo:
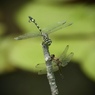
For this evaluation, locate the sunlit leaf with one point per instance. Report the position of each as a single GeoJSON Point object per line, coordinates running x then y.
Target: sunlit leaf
{"type": "Point", "coordinates": [80, 36]}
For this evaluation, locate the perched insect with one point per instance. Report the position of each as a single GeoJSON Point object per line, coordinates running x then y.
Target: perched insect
{"type": "Point", "coordinates": [61, 61]}
{"type": "Point", "coordinates": [43, 32]}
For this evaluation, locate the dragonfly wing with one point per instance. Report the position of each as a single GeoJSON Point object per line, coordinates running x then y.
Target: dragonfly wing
{"type": "Point", "coordinates": [63, 55]}
{"type": "Point", "coordinates": [27, 35]}
{"type": "Point", "coordinates": [48, 30]}
{"type": "Point", "coordinates": [67, 59]}
{"type": "Point", "coordinates": [56, 27]}
{"type": "Point", "coordinates": [41, 68]}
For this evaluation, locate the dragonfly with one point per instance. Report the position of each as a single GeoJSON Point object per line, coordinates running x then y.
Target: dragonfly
{"type": "Point", "coordinates": [42, 32]}
{"type": "Point", "coordinates": [57, 62]}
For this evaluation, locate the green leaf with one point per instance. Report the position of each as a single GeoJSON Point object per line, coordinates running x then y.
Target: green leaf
{"type": "Point", "coordinates": [80, 36]}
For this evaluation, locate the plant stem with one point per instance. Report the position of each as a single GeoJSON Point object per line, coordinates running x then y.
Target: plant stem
{"type": "Point", "coordinates": [50, 74]}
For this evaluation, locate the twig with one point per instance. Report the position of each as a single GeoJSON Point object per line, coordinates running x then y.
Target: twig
{"type": "Point", "coordinates": [50, 74]}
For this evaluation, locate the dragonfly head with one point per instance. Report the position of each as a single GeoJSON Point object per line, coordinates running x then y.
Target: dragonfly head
{"type": "Point", "coordinates": [31, 19]}
{"type": "Point", "coordinates": [52, 56]}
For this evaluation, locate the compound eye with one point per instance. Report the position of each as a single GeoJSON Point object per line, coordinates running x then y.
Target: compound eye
{"type": "Point", "coordinates": [52, 56]}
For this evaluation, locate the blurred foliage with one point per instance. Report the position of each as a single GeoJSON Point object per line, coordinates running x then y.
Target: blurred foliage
{"type": "Point", "coordinates": [80, 36]}
{"type": "Point", "coordinates": [5, 46]}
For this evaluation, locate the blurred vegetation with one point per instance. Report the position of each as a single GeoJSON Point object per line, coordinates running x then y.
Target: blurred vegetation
{"type": "Point", "coordinates": [25, 54]}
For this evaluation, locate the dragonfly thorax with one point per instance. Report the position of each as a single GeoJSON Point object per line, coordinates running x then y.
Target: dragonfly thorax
{"type": "Point", "coordinates": [46, 39]}
{"type": "Point", "coordinates": [58, 62]}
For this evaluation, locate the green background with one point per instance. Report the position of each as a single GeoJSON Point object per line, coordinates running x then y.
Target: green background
{"type": "Point", "coordinates": [26, 54]}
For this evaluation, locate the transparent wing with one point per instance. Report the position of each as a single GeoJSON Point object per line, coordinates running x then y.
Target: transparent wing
{"type": "Point", "coordinates": [67, 59]}
{"type": "Point", "coordinates": [64, 58]}
{"type": "Point", "coordinates": [48, 30]}
{"type": "Point", "coordinates": [56, 27]}
{"type": "Point", "coordinates": [63, 55]}
{"type": "Point", "coordinates": [27, 35]}
{"type": "Point", "coordinates": [41, 68]}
